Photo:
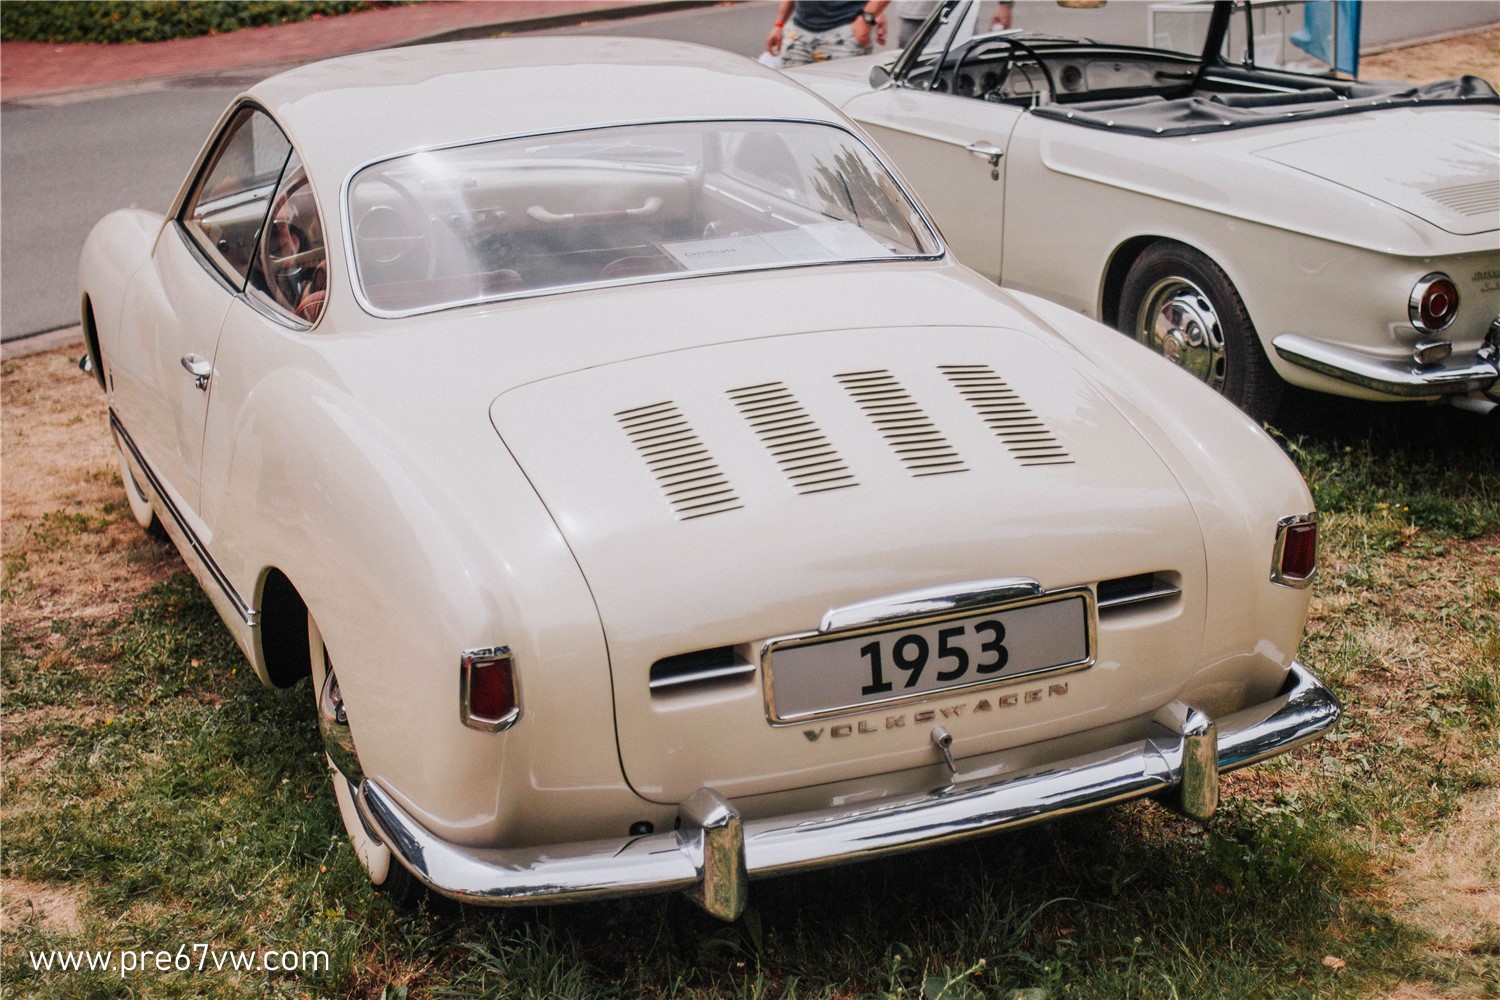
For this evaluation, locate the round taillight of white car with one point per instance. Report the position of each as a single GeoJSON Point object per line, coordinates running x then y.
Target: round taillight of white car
{"type": "Point", "coordinates": [1434, 303]}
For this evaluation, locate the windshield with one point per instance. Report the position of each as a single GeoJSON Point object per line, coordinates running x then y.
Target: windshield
{"type": "Point", "coordinates": [1278, 34]}
{"type": "Point", "coordinates": [641, 202]}
{"type": "Point", "coordinates": [1173, 27]}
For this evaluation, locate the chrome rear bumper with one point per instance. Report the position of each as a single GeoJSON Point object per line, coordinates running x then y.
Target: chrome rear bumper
{"type": "Point", "coordinates": [714, 851]}
{"type": "Point", "coordinates": [1456, 375]}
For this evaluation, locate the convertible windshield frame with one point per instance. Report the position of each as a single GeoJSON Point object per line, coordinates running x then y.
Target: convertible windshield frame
{"type": "Point", "coordinates": [790, 233]}
{"type": "Point", "coordinates": [955, 24]}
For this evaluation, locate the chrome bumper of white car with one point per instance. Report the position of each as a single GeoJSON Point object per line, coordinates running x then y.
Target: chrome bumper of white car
{"type": "Point", "coordinates": [714, 851]}
{"type": "Point", "coordinates": [1456, 375]}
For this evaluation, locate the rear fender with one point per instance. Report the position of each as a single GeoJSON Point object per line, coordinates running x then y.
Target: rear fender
{"type": "Point", "coordinates": [1234, 475]}
{"type": "Point", "coordinates": [404, 566]}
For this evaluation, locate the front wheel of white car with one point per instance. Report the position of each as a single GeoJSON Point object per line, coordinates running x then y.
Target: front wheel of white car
{"type": "Point", "coordinates": [386, 874]}
{"type": "Point", "coordinates": [1183, 306]}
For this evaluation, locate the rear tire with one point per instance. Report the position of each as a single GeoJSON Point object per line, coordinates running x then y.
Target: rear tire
{"type": "Point", "coordinates": [1183, 306]}
{"type": "Point", "coordinates": [386, 874]}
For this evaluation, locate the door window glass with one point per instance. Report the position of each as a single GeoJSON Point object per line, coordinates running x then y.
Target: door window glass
{"type": "Point", "coordinates": [229, 204]}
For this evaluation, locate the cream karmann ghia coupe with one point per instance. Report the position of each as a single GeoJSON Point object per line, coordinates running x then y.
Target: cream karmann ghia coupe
{"type": "Point", "coordinates": [652, 500]}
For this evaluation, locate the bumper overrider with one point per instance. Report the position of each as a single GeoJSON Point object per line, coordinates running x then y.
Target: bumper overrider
{"type": "Point", "coordinates": [1454, 375]}
{"type": "Point", "coordinates": [713, 852]}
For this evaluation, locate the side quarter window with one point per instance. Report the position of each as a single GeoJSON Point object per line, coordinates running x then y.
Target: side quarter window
{"type": "Point", "coordinates": [291, 263]}
{"type": "Point", "coordinates": [227, 208]}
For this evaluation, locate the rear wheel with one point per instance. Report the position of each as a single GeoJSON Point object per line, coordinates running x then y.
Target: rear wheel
{"type": "Point", "coordinates": [1183, 306]}
{"type": "Point", "coordinates": [386, 874]}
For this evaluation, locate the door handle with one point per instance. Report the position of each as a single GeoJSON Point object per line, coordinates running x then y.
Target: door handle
{"type": "Point", "coordinates": [198, 367]}
{"type": "Point", "coordinates": [988, 151]}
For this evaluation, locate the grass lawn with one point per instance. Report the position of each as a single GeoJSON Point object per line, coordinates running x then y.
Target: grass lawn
{"type": "Point", "coordinates": [157, 798]}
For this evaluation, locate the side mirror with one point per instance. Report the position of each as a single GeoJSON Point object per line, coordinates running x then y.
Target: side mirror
{"type": "Point", "coordinates": [880, 76]}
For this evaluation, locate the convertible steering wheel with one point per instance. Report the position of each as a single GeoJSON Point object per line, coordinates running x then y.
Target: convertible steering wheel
{"type": "Point", "coordinates": [1013, 46]}
{"type": "Point", "coordinates": [293, 265]}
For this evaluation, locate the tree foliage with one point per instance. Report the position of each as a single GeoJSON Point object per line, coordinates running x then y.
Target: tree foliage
{"type": "Point", "coordinates": [156, 20]}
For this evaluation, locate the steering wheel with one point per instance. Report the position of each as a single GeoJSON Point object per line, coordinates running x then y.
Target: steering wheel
{"type": "Point", "coordinates": [393, 241]}
{"type": "Point", "coordinates": [1013, 46]}
{"type": "Point", "coordinates": [958, 69]}
{"type": "Point", "coordinates": [292, 264]}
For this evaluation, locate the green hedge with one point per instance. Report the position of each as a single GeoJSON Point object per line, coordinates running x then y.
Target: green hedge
{"type": "Point", "coordinates": [155, 20]}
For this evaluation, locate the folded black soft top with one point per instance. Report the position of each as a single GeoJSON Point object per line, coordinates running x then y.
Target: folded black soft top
{"type": "Point", "coordinates": [1154, 115]}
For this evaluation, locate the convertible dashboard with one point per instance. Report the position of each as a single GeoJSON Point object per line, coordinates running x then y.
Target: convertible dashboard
{"type": "Point", "coordinates": [1009, 68]}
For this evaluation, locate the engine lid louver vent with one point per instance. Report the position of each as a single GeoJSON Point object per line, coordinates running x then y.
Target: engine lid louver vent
{"type": "Point", "coordinates": [688, 475]}
{"type": "Point", "coordinates": [1474, 200]}
{"type": "Point", "coordinates": [1007, 415]}
{"type": "Point", "coordinates": [787, 430]}
{"type": "Point", "coordinates": [906, 428]}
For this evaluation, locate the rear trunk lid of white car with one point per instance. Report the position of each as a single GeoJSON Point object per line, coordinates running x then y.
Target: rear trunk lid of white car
{"type": "Point", "coordinates": [1441, 166]}
{"type": "Point", "coordinates": [720, 497]}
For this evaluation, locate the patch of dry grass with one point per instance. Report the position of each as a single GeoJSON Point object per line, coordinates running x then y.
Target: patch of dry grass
{"type": "Point", "coordinates": [59, 909]}
{"type": "Point", "coordinates": [69, 543]}
{"type": "Point", "coordinates": [1452, 878]}
{"type": "Point", "coordinates": [1476, 54]}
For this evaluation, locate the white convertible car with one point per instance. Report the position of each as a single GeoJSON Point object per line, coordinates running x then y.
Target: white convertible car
{"type": "Point", "coordinates": [1254, 225]}
{"type": "Point", "coordinates": [652, 500]}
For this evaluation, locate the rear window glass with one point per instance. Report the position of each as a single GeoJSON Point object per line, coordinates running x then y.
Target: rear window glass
{"type": "Point", "coordinates": [642, 202]}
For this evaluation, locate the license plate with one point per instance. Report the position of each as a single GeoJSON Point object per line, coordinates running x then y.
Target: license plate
{"type": "Point", "coordinates": [811, 676]}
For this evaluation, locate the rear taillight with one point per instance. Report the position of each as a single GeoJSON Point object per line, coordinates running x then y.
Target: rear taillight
{"type": "Point", "coordinates": [1434, 303]}
{"type": "Point", "coordinates": [487, 690]}
{"type": "Point", "coordinates": [1294, 559]}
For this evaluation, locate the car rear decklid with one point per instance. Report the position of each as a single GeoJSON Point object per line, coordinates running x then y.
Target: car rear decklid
{"type": "Point", "coordinates": [724, 496]}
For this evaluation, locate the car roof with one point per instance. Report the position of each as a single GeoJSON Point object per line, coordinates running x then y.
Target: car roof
{"type": "Point", "coordinates": [344, 113]}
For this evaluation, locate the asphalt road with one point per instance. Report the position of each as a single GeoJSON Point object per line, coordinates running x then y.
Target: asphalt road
{"type": "Point", "coordinates": [66, 164]}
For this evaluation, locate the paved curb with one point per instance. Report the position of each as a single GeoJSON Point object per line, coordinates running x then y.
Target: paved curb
{"type": "Point", "coordinates": [557, 21]}
{"type": "Point", "coordinates": [40, 343]}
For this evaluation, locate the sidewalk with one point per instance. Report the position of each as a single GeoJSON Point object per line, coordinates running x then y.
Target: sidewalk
{"type": "Point", "coordinates": [31, 69]}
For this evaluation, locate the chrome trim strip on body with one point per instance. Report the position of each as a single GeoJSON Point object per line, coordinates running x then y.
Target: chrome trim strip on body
{"type": "Point", "coordinates": [931, 601]}
{"type": "Point", "coordinates": [701, 855]}
{"type": "Point", "coordinates": [1457, 374]}
{"type": "Point", "coordinates": [248, 615]}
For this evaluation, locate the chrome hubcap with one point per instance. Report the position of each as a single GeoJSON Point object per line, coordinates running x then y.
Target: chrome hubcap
{"type": "Point", "coordinates": [1178, 321]}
